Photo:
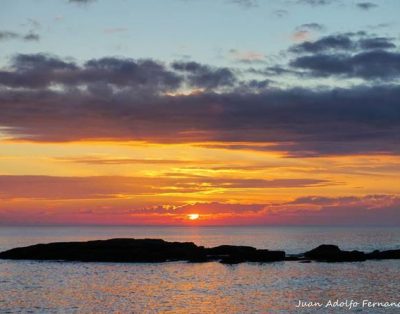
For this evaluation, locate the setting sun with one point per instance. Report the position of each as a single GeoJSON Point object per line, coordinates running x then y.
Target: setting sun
{"type": "Point", "coordinates": [193, 216]}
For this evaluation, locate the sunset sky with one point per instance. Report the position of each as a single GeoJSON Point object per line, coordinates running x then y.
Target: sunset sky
{"type": "Point", "coordinates": [281, 112]}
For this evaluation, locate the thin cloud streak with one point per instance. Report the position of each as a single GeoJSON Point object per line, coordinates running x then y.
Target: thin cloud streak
{"type": "Point", "coordinates": [115, 187]}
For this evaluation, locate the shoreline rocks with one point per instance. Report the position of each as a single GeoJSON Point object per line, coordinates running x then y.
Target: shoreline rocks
{"type": "Point", "coordinates": [158, 251]}
{"type": "Point", "coordinates": [332, 253]}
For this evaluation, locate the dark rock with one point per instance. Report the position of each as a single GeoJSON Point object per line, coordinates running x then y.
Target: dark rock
{"type": "Point", "coordinates": [200, 257]}
{"type": "Point", "coordinates": [230, 250]}
{"type": "Point", "coordinates": [263, 256]}
{"type": "Point", "coordinates": [332, 253]}
{"type": "Point", "coordinates": [140, 250]}
{"type": "Point", "coordinates": [391, 254]}
{"type": "Point", "coordinates": [157, 250]}
{"type": "Point", "coordinates": [259, 256]}
{"type": "Point", "coordinates": [114, 250]}
{"type": "Point", "coordinates": [237, 254]}
{"type": "Point", "coordinates": [292, 257]}
{"type": "Point", "coordinates": [231, 260]}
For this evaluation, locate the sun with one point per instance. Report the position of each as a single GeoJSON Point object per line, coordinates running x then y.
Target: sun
{"type": "Point", "coordinates": [193, 216]}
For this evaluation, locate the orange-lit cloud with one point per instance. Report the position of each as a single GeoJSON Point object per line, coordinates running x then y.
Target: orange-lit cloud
{"type": "Point", "coordinates": [301, 35]}
{"type": "Point", "coordinates": [247, 56]}
{"type": "Point", "coordinates": [147, 184]}
{"type": "Point", "coordinates": [311, 210]}
{"type": "Point", "coordinates": [46, 187]}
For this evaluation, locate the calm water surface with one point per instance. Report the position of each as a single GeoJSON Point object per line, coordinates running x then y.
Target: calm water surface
{"type": "Point", "coordinates": [61, 287]}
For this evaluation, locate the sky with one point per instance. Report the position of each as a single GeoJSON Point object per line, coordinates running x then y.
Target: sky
{"type": "Point", "coordinates": [200, 112]}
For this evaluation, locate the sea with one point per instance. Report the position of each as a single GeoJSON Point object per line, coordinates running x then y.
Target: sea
{"type": "Point", "coordinates": [180, 287]}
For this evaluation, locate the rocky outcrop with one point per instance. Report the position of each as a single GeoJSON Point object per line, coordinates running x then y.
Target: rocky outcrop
{"type": "Point", "coordinates": [140, 250]}
{"type": "Point", "coordinates": [332, 253]}
{"type": "Point", "coordinates": [391, 254]}
{"type": "Point", "coordinates": [113, 250]}
{"type": "Point", "coordinates": [157, 250]}
{"type": "Point", "coordinates": [230, 254]}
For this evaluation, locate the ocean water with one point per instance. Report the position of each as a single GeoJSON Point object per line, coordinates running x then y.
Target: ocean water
{"type": "Point", "coordinates": [179, 287]}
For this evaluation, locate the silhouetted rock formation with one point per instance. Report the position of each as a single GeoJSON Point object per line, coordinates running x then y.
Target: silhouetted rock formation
{"type": "Point", "coordinates": [391, 254]}
{"type": "Point", "coordinates": [156, 250]}
{"type": "Point", "coordinates": [113, 250]}
{"type": "Point", "coordinates": [140, 250]}
{"type": "Point", "coordinates": [332, 253]}
{"type": "Point", "coordinates": [231, 250]}
{"type": "Point", "coordinates": [231, 254]}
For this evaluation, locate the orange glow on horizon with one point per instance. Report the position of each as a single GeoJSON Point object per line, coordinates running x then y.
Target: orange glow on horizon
{"type": "Point", "coordinates": [119, 182]}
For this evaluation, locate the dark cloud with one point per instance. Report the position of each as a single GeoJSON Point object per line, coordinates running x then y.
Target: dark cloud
{"type": "Point", "coordinates": [8, 35]}
{"type": "Point", "coordinates": [122, 72]}
{"type": "Point", "coordinates": [366, 5]}
{"type": "Point", "coordinates": [348, 55]}
{"type": "Point", "coordinates": [81, 1]}
{"type": "Point", "coordinates": [376, 43]}
{"type": "Point", "coordinates": [316, 2]}
{"type": "Point", "coordinates": [31, 37]}
{"type": "Point", "coordinates": [204, 76]}
{"type": "Point", "coordinates": [40, 62]}
{"type": "Point", "coordinates": [42, 70]}
{"type": "Point", "coordinates": [311, 27]}
{"type": "Point", "coordinates": [380, 26]}
{"type": "Point", "coordinates": [245, 3]}
{"type": "Point", "coordinates": [331, 42]}
{"type": "Point", "coordinates": [344, 42]}
{"type": "Point", "coordinates": [5, 35]}
{"type": "Point", "coordinates": [45, 98]}
{"type": "Point", "coordinates": [276, 70]}
{"type": "Point", "coordinates": [256, 85]}
{"type": "Point", "coordinates": [34, 71]}
{"type": "Point", "coordinates": [280, 13]}
{"type": "Point", "coordinates": [369, 65]}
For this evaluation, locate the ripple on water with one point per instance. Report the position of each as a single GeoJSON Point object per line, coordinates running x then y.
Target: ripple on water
{"type": "Point", "coordinates": [49, 287]}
